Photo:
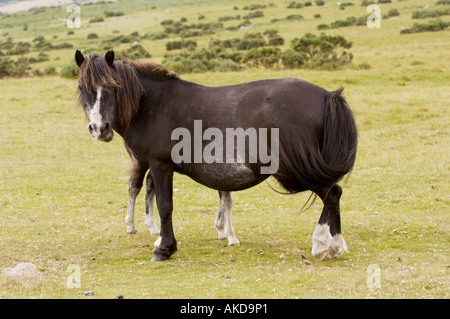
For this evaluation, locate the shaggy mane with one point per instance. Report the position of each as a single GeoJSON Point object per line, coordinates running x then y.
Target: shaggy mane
{"type": "Point", "coordinates": [122, 78]}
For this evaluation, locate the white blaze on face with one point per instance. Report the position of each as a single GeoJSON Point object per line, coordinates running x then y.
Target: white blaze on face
{"type": "Point", "coordinates": [94, 116]}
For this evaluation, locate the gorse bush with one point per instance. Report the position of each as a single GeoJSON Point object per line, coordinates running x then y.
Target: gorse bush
{"type": "Point", "coordinates": [136, 51]}
{"type": "Point", "coordinates": [310, 51]}
{"type": "Point", "coordinates": [180, 44]}
{"type": "Point", "coordinates": [18, 68]}
{"type": "Point", "coordinates": [323, 51]}
{"type": "Point", "coordinates": [431, 26]}
{"type": "Point", "coordinates": [424, 14]}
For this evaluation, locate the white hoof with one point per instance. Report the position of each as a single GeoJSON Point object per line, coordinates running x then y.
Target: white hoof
{"type": "Point", "coordinates": [325, 245]}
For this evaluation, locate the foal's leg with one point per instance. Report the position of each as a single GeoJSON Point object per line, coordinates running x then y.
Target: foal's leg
{"type": "Point", "coordinates": [149, 206]}
{"type": "Point", "coordinates": [327, 238]}
{"type": "Point", "coordinates": [135, 185]}
{"type": "Point", "coordinates": [223, 219]}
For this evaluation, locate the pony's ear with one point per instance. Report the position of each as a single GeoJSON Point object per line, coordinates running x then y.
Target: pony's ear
{"type": "Point", "coordinates": [109, 56]}
{"type": "Point", "coordinates": [79, 58]}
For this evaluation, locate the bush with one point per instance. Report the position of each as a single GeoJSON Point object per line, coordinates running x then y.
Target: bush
{"type": "Point", "coordinates": [18, 68]}
{"type": "Point", "coordinates": [320, 2]}
{"type": "Point", "coordinates": [136, 51]}
{"type": "Point", "coordinates": [431, 26]}
{"type": "Point", "coordinates": [109, 14]}
{"type": "Point", "coordinates": [95, 20]}
{"type": "Point", "coordinates": [430, 13]}
{"type": "Point", "coordinates": [266, 56]}
{"type": "Point", "coordinates": [292, 59]}
{"type": "Point", "coordinates": [19, 48]}
{"type": "Point", "coordinates": [323, 51]}
{"type": "Point", "coordinates": [295, 5]}
{"type": "Point", "coordinates": [393, 13]}
{"type": "Point", "coordinates": [183, 44]}
{"type": "Point", "coordinates": [294, 17]}
{"type": "Point", "coordinates": [40, 58]}
{"type": "Point", "coordinates": [50, 70]}
{"type": "Point", "coordinates": [92, 36]}
{"type": "Point", "coordinates": [70, 71]}
{"type": "Point", "coordinates": [256, 14]}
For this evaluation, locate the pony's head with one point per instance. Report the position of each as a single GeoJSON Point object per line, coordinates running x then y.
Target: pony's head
{"type": "Point", "coordinates": [97, 85]}
{"type": "Point", "coordinates": [109, 91]}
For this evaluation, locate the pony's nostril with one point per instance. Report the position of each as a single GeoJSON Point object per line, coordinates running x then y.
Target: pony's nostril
{"type": "Point", "coordinates": [104, 127]}
{"type": "Point", "coordinates": [92, 127]}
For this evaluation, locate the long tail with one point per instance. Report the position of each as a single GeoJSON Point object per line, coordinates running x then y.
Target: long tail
{"type": "Point", "coordinates": [340, 138]}
{"type": "Point", "coordinates": [325, 163]}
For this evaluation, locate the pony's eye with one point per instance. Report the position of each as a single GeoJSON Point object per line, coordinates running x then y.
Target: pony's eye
{"type": "Point", "coordinates": [79, 86]}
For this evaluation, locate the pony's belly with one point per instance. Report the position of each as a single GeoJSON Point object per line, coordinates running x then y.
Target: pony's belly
{"type": "Point", "coordinates": [223, 176]}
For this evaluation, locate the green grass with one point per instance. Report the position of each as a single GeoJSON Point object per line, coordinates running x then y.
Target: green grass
{"type": "Point", "coordinates": [63, 195]}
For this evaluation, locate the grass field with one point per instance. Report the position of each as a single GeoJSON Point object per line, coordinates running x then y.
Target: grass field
{"type": "Point", "coordinates": [63, 196]}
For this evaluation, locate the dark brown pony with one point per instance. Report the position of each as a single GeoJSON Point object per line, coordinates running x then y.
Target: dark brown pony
{"type": "Point", "coordinates": [307, 135]}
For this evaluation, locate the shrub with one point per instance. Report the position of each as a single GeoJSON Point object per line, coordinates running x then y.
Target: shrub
{"type": "Point", "coordinates": [323, 51]}
{"type": "Point", "coordinates": [266, 56]}
{"type": "Point", "coordinates": [430, 13]}
{"type": "Point", "coordinates": [50, 70]}
{"type": "Point", "coordinates": [431, 26]}
{"type": "Point", "coordinates": [19, 48]}
{"type": "Point", "coordinates": [255, 7]}
{"type": "Point", "coordinates": [42, 56]}
{"type": "Point", "coordinates": [320, 2]}
{"type": "Point", "coordinates": [295, 5]}
{"type": "Point", "coordinates": [113, 14]}
{"type": "Point", "coordinates": [183, 44]}
{"type": "Point", "coordinates": [256, 14]}
{"type": "Point", "coordinates": [18, 68]}
{"type": "Point", "coordinates": [294, 17]}
{"type": "Point", "coordinates": [136, 51]}
{"type": "Point", "coordinates": [92, 36]}
{"type": "Point", "coordinates": [292, 59]}
{"type": "Point", "coordinates": [393, 13]}
{"type": "Point", "coordinates": [97, 19]}
{"type": "Point", "coordinates": [70, 71]}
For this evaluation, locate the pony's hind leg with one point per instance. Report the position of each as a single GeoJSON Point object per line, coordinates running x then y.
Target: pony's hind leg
{"type": "Point", "coordinates": [223, 222]}
{"type": "Point", "coordinates": [149, 205]}
{"type": "Point", "coordinates": [327, 237]}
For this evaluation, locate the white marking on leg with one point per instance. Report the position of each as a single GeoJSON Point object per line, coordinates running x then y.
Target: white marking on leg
{"type": "Point", "coordinates": [325, 245]}
{"type": "Point", "coordinates": [150, 214]}
{"type": "Point", "coordinates": [219, 223]}
{"type": "Point", "coordinates": [129, 218]}
{"type": "Point", "coordinates": [157, 242]}
{"type": "Point", "coordinates": [227, 204]}
{"type": "Point", "coordinates": [321, 236]}
{"type": "Point", "coordinates": [336, 246]}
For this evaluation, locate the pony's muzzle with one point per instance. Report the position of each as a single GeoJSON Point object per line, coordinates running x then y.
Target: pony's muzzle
{"type": "Point", "coordinates": [101, 132]}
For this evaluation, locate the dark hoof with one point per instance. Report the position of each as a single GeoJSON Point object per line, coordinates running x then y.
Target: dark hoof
{"type": "Point", "coordinates": [163, 253]}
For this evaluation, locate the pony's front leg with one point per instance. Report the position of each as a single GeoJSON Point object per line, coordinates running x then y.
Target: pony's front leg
{"type": "Point", "coordinates": [149, 206]}
{"type": "Point", "coordinates": [167, 244]}
{"type": "Point", "coordinates": [135, 185]}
